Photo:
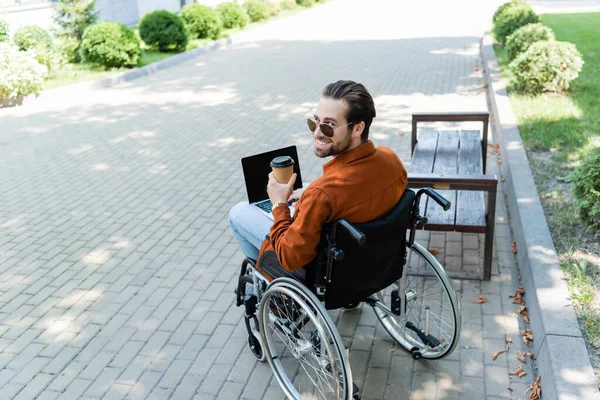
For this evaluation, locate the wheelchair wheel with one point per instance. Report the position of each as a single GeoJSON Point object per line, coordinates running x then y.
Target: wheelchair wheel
{"type": "Point", "coordinates": [421, 311]}
{"type": "Point", "coordinates": [301, 343]}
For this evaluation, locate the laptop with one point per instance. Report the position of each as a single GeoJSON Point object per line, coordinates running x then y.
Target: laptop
{"type": "Point", "coordinates": [256, 170]}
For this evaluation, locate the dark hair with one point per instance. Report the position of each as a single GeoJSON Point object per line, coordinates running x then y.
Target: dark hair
{"type": "Point", "coordinates": [360, 103]}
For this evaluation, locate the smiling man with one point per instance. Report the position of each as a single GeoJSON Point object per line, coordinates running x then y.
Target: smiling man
{"type": "Point", "coordinates": [360, 183]}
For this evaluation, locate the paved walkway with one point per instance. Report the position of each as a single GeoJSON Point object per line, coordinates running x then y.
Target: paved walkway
{"type": "Point", "coordinates": [116, 261]}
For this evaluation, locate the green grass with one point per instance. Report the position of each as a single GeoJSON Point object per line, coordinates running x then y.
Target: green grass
{"type": "Point", "coordinates": [556, 131]}
{"type": "Point", "coordinates": [75, 73]}
{"type": "Point", "coordinates": [566, 122]}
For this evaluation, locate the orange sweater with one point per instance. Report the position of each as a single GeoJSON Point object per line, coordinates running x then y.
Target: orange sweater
{"type": "Point", "coordinates": [362, 184]}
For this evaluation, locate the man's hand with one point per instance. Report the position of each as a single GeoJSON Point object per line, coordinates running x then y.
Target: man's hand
{"type": "Point", "coordinates": [280, 192]}
{"type": "Point", "coordinates": [296, 194]}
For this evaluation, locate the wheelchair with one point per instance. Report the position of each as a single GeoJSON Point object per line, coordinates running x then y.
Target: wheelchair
{"type": "Point", "coordinates": [376, 262]}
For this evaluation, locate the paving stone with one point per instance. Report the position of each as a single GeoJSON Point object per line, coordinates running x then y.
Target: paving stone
{"type": "Point", "coordinates": [116, 252]}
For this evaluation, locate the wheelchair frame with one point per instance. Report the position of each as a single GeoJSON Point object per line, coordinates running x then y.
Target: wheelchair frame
{"type": "Point", "coordinates": [253, 286]}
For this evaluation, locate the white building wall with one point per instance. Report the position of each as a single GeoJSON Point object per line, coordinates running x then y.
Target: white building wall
{"type": "Point", "coordinates": [123, 11]}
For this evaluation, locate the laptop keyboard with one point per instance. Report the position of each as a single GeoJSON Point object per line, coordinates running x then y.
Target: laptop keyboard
{"type": "Point", "coordinates": [266, 206]}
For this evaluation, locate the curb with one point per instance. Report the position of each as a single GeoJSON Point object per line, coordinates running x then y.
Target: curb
{"type": "Point", "coordinates": [126, 76]}
{"type": "Point", "coordinates": [562, 359]}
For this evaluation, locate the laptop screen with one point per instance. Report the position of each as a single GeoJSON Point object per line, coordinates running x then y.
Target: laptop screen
{"type": "Point", "coordinates": [256, 170]}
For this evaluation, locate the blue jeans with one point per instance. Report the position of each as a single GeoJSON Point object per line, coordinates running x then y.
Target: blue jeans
{"type": "Point", "coordinates": [250, 226]}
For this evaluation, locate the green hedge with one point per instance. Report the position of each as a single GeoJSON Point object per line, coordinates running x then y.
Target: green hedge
{"type": "Point", "coordinates": [525, 36]}
{"type": "Point", "coordinates": [30, 36]}
{"type": "Point", "coordinates": [546, 66]}
{"type": "Point", "coordinates": [201, 21]}
{"type": "Point", "coordinates": [110, 44]}
{"type": "Point", "coordinates": [232, 15]}
{"type": "Point", "coordinates": [164, 31]}
{"type": "Point", "coordinates": [512, 18]}
{"type": "Point", "coordinates": [587, 188]}
{"type": "Point", "coordinates": [257, 10]}
{"type": "Point", "coordinates": [20, 73]}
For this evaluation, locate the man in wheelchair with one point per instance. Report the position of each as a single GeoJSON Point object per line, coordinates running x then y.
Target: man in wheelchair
{"type": "Point", "coordinates": [361, 182]}
{"type": "Point", "coordinates": [317, 255]}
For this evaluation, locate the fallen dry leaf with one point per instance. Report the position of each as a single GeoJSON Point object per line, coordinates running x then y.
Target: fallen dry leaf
{"type": "Point", "coordinates": [434, 251]}
{"type": "Point", "coordinates": [536, 389]}
{"type": "Point", "coordinates": [393, 349]}
{"type": "Point", "coordinates": [526, 319]}
{"type": "Point", "coordinates": [482, 299]}
{"type": "Point", "coordinates": [521, 356]}
{"type": "Point", "coordinates": [530, 355]}
{"type": "Point", "coordinates": [514, 247]}
{"type": "Point", "coordinates": [523, 311]}
{"type": "Point", "coordinates": [518, 295]}
{"type": "Point", "coordinates": [519, 372]}
{"type": "Point", "coordinates": [400, 133]}
{"type": "Point", "coordinates": [496, 354]}
{"type": "Point", "coordinates": [510, 389]}
{"type": "Point", "coordinates": [527, 337]}
{"type": "Point", "coordinates": [508, 340]}
{"type": "Point", "coordinates": [502, 180]}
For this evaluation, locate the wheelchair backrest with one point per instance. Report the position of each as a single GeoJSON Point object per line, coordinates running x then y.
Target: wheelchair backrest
{"type": "Point", "coordinates": [365, 270]}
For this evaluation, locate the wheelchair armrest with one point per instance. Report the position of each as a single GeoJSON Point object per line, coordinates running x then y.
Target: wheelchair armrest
{"type": "Point", "coordinates": [355, 233]}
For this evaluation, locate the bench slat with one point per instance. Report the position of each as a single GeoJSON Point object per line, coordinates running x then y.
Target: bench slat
{"type": "Point", "coordinates": [424, 157]}
{"type": "Point", "coordinates": [470, 205]}
{"type": "Point", "coordinates": [446, 162]}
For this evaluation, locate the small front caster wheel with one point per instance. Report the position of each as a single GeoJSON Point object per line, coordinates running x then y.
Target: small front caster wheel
{"type": "Point", "coordinates": [416, 354]}
{"type": "Point", "coordinates": [256, 348]}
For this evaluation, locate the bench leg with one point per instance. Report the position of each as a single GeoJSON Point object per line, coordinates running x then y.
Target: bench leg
{"type": "Point", "coordinates": [489, 235]}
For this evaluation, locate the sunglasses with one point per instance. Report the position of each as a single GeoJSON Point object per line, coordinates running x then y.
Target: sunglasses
{"type": "Point", "coordinates": [326, 129]}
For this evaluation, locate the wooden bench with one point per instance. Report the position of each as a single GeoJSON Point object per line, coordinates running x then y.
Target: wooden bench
{"type": "Point", "coordinates": [453, 163]}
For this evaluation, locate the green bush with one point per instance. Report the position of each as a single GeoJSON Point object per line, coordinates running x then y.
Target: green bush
{"type": "Point", "coordinates": [110, 44]}
{"type": "Point", "coordinates": [232, 14]}
{"type": "Point", "coordinates": [68, 48]}
{"type": "Point", "coordinates": [546, 66]}
{"type": "Point", "coordinates": [587, 188]}
{"type": "Point", "coordinates": [201, 21]}
{"type": "Point", "coordinates": [288, 4]}
{"type": "Point", "coordinates": [525, 36]}
{"type": "Point", "coordinates": [305, 3]}
{"type": "Point", "coordinates": [503, 7]}
{"type": "Point", "coordinates": [3, 31]}
{"type": "Point", "coordinates": [163, 30]}
{"type": "Point", "coordinates": [512, 18]}
{"type": "Point", "coordinates": [20, 73]}
{"type": "Point", "coordinates": [257, 10]}
{"type": "Point", "coordinates": [274, 9]}
{"type": "Point", "coordinates": [30, 36]}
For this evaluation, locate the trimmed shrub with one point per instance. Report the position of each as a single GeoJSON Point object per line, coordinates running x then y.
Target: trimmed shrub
{"type": "Point", "coordinates": [257, 10]}
{"type": "Point", "coordinates": [163, 30]}
{"type": "Point", "coordinates": [110, 44]}
{"type": "Point", "coordinates": [305, 3]}
{"type": "Point", "coordinates": [30, 36]}
{"type": "Point", "coordinates": [20, 73]}
{"type": "Point", "coordinates": [512, 18]}
{"type": "Point", "coordinates": [525, 36]}
{"type": "Point", "coordinates": [274, 9]}
{"type": "Point", "coordinates": [201, 21]}
{"type": "Point", "coordinates": [504, 7]}
{"type": "Point", "coordinates": [232, 14]}
{"type": "Point", "coordinates": [3, 31]}
{"type": "Point", "coordinates": [586, 186]}
{"type": "Point", "coordinates": [546, 66]}
{"type": "Point", "coordinates": [288, 4]}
